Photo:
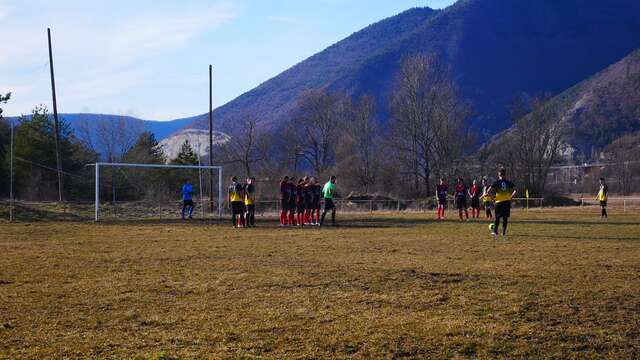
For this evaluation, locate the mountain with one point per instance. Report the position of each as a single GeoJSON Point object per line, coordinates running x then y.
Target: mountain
{"type": "Point", "coordinates": [497, 50]}
{"type": "Point", "coordinates": [604, 107]}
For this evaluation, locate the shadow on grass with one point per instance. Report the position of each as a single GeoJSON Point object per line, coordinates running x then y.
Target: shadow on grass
{"type": "Point", "coordinates": [570, 237]}
{"type": "Point", "coordinates": [574, 222]}
{"type": "Point", "coordinates": [28, 214]}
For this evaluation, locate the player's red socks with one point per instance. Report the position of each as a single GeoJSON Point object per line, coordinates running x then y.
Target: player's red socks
{"type": "Point", "coordinates": [283, 218]}
{"type": "Point", "coordinates": [292, 219]}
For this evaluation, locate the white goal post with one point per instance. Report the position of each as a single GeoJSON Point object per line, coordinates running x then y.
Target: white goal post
{"type": "Point", "coordinates": [157, 166]}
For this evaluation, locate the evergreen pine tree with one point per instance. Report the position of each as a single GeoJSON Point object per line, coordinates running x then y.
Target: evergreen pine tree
{"type": "Point", "coordinates": [187, 155]}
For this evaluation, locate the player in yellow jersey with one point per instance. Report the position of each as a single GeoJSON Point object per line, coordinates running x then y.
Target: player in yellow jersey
{"type": "Point", "coordinates": [603, 194]}
{"type": "Point", "coordinates": [250, 202]}
{"type": "Point", "coordinates": [236, 202]}
{"type": "Point", "coordinates": [503, 191]}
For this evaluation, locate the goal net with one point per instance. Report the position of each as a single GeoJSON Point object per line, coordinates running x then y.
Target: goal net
{"type": "Point", "coordinates": [154, 191]}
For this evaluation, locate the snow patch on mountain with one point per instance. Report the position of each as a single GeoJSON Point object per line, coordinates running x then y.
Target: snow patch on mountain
{"type": "Point", "coordinates": [199, 140]}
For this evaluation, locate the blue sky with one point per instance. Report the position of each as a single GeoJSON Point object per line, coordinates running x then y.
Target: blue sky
{"type": "Point", "coordinates": [149, 58]}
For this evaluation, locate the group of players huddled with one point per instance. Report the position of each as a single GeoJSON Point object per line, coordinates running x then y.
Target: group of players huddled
{"type": "Point", "coordinates": [300, 201]}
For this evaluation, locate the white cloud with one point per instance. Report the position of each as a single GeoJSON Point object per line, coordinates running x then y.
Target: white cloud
{"type": "Point", "coordinates": [162, 32]}
{"type": "Point", "coordinates": [98, 54]}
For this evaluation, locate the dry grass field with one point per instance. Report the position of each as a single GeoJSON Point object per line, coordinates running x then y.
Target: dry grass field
{"type": "Point", "coordinates": [564, 285]}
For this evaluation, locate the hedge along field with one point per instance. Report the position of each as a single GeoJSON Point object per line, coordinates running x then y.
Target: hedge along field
{"type": "Point", "coordinates": [563, 285]}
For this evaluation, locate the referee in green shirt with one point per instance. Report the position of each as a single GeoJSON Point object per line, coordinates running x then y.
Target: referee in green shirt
{"type": "Point", "coordinates": [327, 193]}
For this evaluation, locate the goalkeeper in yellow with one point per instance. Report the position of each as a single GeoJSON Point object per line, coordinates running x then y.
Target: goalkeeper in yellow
{"type": "Point", "coordinates": [503, 191]}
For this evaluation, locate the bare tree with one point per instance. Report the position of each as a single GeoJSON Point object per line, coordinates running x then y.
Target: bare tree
{"type": "Point", "coordinates": [316, 128]}
{"type": "Point", "coordinates": [625, 154]}
{"type": "Point", "coordinates": [248, 144]}
{"type": "Point", "coordinates": [426, 116]}
{"type": "Point", "coordinates": [111, 138]}
{"type": "Point", "coordinates": [533, 144]}
{"type": "Point", "coordinates": [357, 151]}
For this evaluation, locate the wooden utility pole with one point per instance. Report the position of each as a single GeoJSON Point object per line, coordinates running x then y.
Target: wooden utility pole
{"type": "Point", "coordinates": [211, 139]}
{"type": "Point", "coordinates": [56, 125]}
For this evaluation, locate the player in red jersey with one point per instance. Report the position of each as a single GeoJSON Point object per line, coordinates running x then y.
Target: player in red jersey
{"type": "Point", "coordinates": [441, 193]}
{"type": "Point", "coordinates": [316, 195]}
{"type": "Point", "coordinates": [300, 210]}
{"type": "Point", "coordinates": [474, 194]}
{"type": "Point", "coordinates": [307, 199]}
{"type": "Point", "coordinates": [461, 198]}
{"type": "Point", "coordinates": [284, 200]}
{"type": "Point", "coordinates": [291, 188]}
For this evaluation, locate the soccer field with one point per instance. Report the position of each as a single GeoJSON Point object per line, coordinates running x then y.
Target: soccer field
{"type": "Point", "coordinates": [392, 286]}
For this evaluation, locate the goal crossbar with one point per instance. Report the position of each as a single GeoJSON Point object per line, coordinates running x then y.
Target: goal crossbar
{"type": "Point", "coordinates": [156, 166]}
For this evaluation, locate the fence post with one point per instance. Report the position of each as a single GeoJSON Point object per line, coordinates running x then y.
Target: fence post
{"type": "Point", "coordinates": [624, 205]}
{"type": "Point", "coordinates": [370, 206]}
{"type": "Point", "coordinates": [398, 205]}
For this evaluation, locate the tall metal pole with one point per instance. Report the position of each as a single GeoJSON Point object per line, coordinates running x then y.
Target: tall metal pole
{"type": "Point", "coordinates": [200, 179]}
{"type": "Point", "coordinates": [97, 193]}
{"type": "Point", "coordinates": [211, 139]}
{"type": "Point", "coordinates": [56, 125]}
{"type": "Point", "coordinates": [11, 177]}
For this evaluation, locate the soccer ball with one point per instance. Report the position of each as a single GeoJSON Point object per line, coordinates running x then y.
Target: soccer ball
{"type": "Point", "coordinates": [492, 227]}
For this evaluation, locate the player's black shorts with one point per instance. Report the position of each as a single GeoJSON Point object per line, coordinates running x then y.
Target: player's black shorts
{"type": "Point", "coordinates": [292, 206]}
{"type": "Point", "coordinates": [503, 209]}
{"type": "Point", "coordinates": [328, 204]}
{"type": "Point", "coordinates": [300, 207]}
{"type": "Point", "coordinates": [186, 203]}
{"type": "Point", "coordinates": [475, 202]}
{"type": "Point", "coordinates": [442, 201]}
{"type": "Point", "coordinates": [488, 204]}
{"type": "Point", "coordinates": [603, 203]}
{"type": "Point", "coordinates": [284, 205]}
{"type": "Point", "coordinates": [237, 207]}
{"type": "Point", "coordinates": [461, 202]}
{"type": "Point", "coordinates": [250, 208]}
{"type": "Point", "coordinates": [316, 205]}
